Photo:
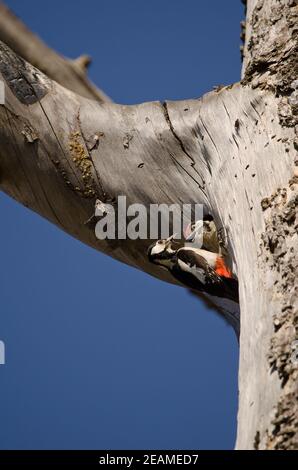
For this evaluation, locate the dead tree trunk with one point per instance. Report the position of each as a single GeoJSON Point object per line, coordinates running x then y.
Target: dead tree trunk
{"type": "Point", "coordinates": [232, 150]}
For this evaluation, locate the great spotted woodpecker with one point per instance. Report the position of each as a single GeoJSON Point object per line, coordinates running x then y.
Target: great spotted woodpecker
{"type": "Point", "coordinates": [196, 268]}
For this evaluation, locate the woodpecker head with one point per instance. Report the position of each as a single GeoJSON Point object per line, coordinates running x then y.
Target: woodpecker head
{"type": "Point", "coordinates": [162, 252]}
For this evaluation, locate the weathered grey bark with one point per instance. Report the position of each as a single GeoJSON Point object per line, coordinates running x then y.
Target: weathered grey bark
{"type": "Point", "coordinates": [67, 72]}
{"type": "Point", "coordinates": [233, 150]}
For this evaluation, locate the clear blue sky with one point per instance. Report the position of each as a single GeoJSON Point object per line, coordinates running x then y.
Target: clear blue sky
{"type": "Point", "coordinates": [99, 355]}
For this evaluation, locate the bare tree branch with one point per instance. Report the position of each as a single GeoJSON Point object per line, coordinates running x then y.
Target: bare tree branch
{"type": "Point", "coordinates": [69, 73]}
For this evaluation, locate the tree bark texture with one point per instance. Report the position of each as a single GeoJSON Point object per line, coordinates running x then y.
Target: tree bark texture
{"type": "Point", "coordinates": [234, 150]}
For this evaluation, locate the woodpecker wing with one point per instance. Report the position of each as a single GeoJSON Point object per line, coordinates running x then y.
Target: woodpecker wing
{"type": "Point", "coordinates": [199, 275]}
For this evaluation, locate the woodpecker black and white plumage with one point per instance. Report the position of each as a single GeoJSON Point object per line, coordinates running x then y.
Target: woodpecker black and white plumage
{"type": "Point", "coordinates": [202, 271]}
{"type": "Point", "coordinates": [204, 234]}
